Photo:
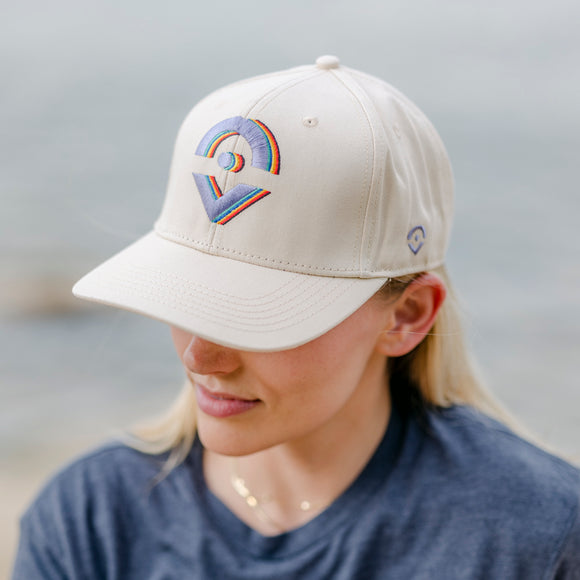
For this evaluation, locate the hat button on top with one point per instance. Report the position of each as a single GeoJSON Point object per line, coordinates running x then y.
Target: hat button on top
{"type": "Point", "coordinates": [327, 62]}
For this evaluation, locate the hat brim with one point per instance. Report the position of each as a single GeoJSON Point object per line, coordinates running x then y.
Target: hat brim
{"type": "Point", "coordinates": [229, 302]}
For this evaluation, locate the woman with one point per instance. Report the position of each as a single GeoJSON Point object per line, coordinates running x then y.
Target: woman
{"type": "Point", "coordinates": [332, 425]}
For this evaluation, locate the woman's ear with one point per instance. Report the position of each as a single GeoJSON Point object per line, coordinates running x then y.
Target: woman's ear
{"type": "Point", "coordinates": [413, 314]}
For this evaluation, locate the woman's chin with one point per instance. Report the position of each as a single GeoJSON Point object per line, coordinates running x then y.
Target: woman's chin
{"type": "Point", "coordinates": [229, 440]}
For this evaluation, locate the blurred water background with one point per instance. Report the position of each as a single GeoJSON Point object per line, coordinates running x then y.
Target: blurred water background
{"type": "Point", "coordinates": [92, 96]}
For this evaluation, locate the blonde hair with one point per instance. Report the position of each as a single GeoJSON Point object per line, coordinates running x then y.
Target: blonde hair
{"type": "Point", "coordinates": [441, 368]}
{"type": "Point", "coordinates": [439, 372]}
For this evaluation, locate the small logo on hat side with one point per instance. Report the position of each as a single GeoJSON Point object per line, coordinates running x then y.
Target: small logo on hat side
{"type": "Point", "coordinates": [220, 206]}
{"type": "Point", "coordinates": [416, 238]}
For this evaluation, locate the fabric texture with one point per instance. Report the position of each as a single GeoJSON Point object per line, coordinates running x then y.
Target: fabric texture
{"type": "Point", "coordinates": [454, 496]}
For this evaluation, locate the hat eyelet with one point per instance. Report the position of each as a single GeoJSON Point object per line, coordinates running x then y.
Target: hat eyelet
{"type": "Point", "coordinates": [310, 121]}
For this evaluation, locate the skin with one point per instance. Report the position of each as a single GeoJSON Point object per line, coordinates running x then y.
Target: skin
{"type": "Point", "coordinates": [323, 407]}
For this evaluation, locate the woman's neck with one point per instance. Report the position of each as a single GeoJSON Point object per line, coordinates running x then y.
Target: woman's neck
{"type": "Point", "coordinates": [315, 469]}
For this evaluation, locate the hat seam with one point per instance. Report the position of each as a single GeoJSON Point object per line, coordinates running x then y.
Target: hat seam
{"type": "Point", "coordinates": [369, 223]}
{"type": "Point", "coordinates": [401, 99]}
{"type": "Point", "coordinates": [164, 233]}
{"type": "Point", "coordinates": [344, 272]}
{"type": "Point", "coordinates": [368, 179]}
{"type": "Point", "coordinates": [216, 230]}
{"type": "Point", "coordinates": [274, 92]}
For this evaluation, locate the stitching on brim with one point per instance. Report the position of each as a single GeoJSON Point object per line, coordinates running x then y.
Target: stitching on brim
{"type": "Point", "coordinates": [145, 292]}
{"type": "Point", "coordinates": [259, 299]}
{"type": "Point", "coordinates": [187, 288]}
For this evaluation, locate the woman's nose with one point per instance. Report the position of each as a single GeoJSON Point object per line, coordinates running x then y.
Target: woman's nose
{"type": "Point", "coordinates": [204, 357]}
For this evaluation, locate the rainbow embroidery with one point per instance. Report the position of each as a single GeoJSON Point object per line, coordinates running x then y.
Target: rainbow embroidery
{"type": "Point", "coordinates": [209, 152]}
{"type": "Point", "coordinates": [231, 162]}
{"type": "Point", "coordinates": [214, 188]}
{"type": "Point", "coordinates": [273, 152]}
{"type": "Point", "coordinates": [223, 206]}
{"type": "Point", "coordinates": [232, 211]}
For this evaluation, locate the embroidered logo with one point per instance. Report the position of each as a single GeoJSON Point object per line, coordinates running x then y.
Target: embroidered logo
{"type": "Point", "coordinates": [220, 206]}
{"type": "Point", "coordinates": [416, 238]}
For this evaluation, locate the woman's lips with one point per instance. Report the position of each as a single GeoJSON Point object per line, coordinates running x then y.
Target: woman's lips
{"type": "Point", "coordinates": [222, 404]}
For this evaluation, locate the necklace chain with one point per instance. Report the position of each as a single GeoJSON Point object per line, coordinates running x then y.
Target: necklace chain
{"type": "Point", "coordinates": [252, 501]}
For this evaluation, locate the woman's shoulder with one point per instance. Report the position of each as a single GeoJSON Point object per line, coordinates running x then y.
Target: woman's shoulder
{"type": "Point", "coordinates": [502, 478]}
{"type": "Point", "coordinates": [111, 464]}
{"type": "Point", "coordinates": [98, 511]}
{"type": "Point", "coordinates": [482, 490]}
{"type": "Point", "coordinates": [114, 472]}
{"type": "Point", "coordinates": [483, 445]}
{"type": "Point", "coordinates": [99, 478]}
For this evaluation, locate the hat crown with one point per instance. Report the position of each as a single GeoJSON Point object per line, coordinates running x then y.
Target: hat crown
{"type": "Point", "coordinates": [316, 169]}
{"type": "Point", "coordinates": [292, 197]}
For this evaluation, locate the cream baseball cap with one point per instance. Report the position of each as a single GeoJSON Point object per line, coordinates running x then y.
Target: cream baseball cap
{"type": "Point", "coordinates": [292, 198]}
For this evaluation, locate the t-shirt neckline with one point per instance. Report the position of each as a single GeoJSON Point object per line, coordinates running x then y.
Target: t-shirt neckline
{"type": "Point", "coordinates": [222, 521]}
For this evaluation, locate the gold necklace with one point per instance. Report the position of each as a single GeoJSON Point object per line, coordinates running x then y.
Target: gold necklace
{"type": "Point", "coordinates": [239, 485]}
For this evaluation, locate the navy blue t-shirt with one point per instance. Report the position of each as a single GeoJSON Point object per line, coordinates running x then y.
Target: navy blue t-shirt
{"type": "Point", "coordinates": [455, 496]}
